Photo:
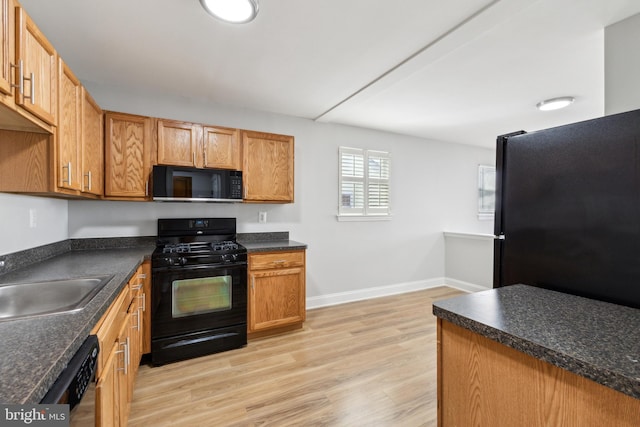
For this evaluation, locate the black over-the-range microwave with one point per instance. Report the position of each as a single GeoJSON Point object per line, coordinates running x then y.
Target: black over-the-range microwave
{"type": "Point", "coordinates": [185, 184]}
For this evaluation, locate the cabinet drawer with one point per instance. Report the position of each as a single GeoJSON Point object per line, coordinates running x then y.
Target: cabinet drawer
{"type": "Point", "coordinates": [270, 260]}
{"type": "Point", "coordinates": [109, 326]}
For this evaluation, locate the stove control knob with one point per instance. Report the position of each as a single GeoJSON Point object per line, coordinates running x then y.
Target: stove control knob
{"type": "Point", "coordinates": [169, 261]}
{"type": "Point", "coordinates": [182, 261]}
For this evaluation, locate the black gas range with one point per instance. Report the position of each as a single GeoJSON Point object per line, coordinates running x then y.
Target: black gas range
{"type": "Point", "coordinates": [199, 280]}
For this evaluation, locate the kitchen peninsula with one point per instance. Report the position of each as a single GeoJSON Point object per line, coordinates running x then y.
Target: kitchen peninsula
{"type": "Point", "coordinates": [521, 355]}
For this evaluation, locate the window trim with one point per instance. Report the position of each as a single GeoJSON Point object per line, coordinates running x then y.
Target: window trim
{"type": "Point", "coordinates": [484, 171]}
{"type": "Point", "coordinates": [366, 213]}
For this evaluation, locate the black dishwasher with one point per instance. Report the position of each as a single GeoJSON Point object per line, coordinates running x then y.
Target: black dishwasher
{"type": "Point", "coordinates": [76, 378]}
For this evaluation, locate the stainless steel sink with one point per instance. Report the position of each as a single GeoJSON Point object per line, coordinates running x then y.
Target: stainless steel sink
{"type": "Point", "coordinates": [55, 296]}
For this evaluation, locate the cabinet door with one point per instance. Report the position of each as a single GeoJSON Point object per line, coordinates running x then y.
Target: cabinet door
{"type": "Point", "coordinates": [92, 146]}
{"type": "Point", "coordinates": [6, 40]}
{"type": "Point", "coordinates": [221, 148]}
{"type": "Point", "coordinates": [127, 163]}
{"type": "Point", "coordinates": [107, 403]}
{"type": "Point", "coordinates": [123, 372]}
{"type": "Point", "coordinates": [178, 143]}
{"type": "Point", "coordinates": [145, 300]}
{"type": "Point", "coordinates": [276, 298]}
{"type": "Point", "coordinates": [69, 171]}
{"type": "Point", "coordinates": [38, 57]}
{"type": "Point", "coordinates": [135, 327]}
{"type": "Point", "coordinates": [267, 170]}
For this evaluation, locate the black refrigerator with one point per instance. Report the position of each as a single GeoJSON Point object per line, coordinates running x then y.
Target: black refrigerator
{"type": "Point", "coordinates": [568, 209]}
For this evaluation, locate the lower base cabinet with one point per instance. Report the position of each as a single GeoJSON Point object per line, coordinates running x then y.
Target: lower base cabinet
{"type": "Point", "coordinates": [276, 292]}
{"type": "Point", "coordinates": [484, 383]}
{"type": "Point", "coordinates": [120, 334]}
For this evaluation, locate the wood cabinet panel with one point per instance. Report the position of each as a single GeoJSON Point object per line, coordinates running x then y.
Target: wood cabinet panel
{"type": "Point", "coordinates": [277, 260]}
{"type": "Point", "coordinates": [127, 161]}
{"type": "Point", "coordinates": [25, 161]}
{"type": "Point", "coordinates": [6, 48]}
{"type": "Point", "coordinates": [268, 162]}
{"type": "Point", "coordinates": [69, 167]}
{"type": "Point", "coordinates": [121, 329]}
{"type": "Point", "coordinates": [221, 148]}
{"type": "Point", "coordinates": [146, 307]}
{"type": "Point", "coordinates": [178, 143]}
{"type": "Point", "coordinates": [92, 146]}
{"type": "Point", "coordinates": [277, 296]}
{"type": "Point", "coordinates": [108, 327]}
{"type": "Point", "coordinates": [12, 115]}
{"type": "Point", "coordinates": [107, 403]}
{"type": "Point", "coordinates": [482, 382]}
{"type": "Point", "coordinates": [39, 65]}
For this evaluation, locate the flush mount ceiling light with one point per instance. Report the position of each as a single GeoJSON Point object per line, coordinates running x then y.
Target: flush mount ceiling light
{"type": "Point", "coordinates": [555, 103]}
{"type": "Point", "coordinates": [233, 11]}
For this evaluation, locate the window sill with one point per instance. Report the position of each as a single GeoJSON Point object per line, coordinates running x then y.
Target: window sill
{"type": "Point", "coordinates": [348, 218]}
{"type": "Point", "coordinates": [485, 216]}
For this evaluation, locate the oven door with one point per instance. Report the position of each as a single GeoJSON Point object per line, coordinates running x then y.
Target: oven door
{"type": "Point", "coordinates": [198, 311]}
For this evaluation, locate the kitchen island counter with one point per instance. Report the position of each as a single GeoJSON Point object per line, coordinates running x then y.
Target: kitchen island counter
{"type": "Point", "coordinates": [591, 338]}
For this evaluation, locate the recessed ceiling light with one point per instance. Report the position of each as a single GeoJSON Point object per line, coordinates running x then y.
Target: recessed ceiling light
{"type": "Point", "coordinates": [555, 103]}
{"type": "Point", "coordinates": [233, 11]}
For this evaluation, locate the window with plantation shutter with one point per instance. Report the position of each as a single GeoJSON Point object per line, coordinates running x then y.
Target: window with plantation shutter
{"type": "Point", "coordinates": [364, 183]}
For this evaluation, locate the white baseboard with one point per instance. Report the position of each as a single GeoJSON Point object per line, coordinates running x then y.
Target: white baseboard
{"type": "Point", "coordinates": [464, 286]}
{"type": "Point", "coordinates": [368, 293]}
{"type": "Point", "coordinates": [382, 291]}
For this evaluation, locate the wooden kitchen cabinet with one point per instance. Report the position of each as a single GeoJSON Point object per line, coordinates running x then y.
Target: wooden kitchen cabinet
{"type": "Point", "coordinates": [485, 383]}
{"type": "Point", "coordinates": [120, 330]}
{"type": "Point", "coordinates": [12, 115]}
{"type": "Point", "coordinates": [178, 143]}
{"type": "Point", "coordinates": [277, 295]}
{"type": "Point", "coordinates": [92, 137]}
{"type": "Point", "coordinates": [127, 156]}
{"type": "Point", "coordinates": [196, 145]}
{"type": "Point", "coordinates": [146, 307]}
{"type": "Point", "coordinates": [107, 392]}
{"type": "Point", "coordinates": [39, 69]}
{"type": "Point", "coordinates": [267, 167]}
{"type": "Point", "coordinates": [221, 148]}
{"type": "Point", "coordinates": [68, 172]}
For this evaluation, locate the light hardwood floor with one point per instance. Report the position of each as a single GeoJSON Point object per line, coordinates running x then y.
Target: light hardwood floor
{"type": "Point", "coordinates": [367, 363]}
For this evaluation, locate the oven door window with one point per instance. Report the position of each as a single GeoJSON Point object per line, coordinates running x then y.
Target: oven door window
{"type": "Point", "coordinates": [199, 296]}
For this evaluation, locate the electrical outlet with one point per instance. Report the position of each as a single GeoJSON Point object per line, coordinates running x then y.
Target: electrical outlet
{"type": "Point", "coordinates": [33, 218]}
{"type": "Point", "coordinates": [262, 217]}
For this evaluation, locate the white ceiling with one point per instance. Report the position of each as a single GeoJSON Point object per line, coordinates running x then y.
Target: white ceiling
{"type": "Point", "coordinates": [452, 70]}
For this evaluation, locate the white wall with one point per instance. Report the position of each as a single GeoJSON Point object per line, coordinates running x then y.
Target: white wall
{"type": "Point", "coordinates": [622, 66]}
{"type": "Point", "coordinates": [16, 234]}
{"type": "Point", "coordinates": [469, 260]}
{"type": "Point", "coordinates": [433, 188]}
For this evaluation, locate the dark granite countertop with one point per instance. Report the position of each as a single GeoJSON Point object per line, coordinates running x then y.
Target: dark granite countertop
{"type": "Point", "coordinates": [274, 245]}
{"type": "Point", "coordinates": [594, 339]}
{"type": "Point", "coordinates": [34, 351]}
{"type": "Point", "coordinates": [267, 242]}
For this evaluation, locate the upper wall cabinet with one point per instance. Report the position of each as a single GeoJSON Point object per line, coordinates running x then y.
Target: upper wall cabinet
{"type": "Point", "coordinates": [267, 167]}
{"type": "Point", "coordinates": [92, 136]}
{"type": "Point", "coordinates": [37, 67]}
{"type": "Point", "coordinates": [221, 148]}
{"type": "Point", "coordinates": [22, 108]}
{"type": "Point", "coordinates": [178, 143]}
{"type": "Point", "coordinates": [127, 156]}
{"type": "Point", "coordinates": [195, 145]}
{"type": "Point", "coordinates": [69, 146]}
